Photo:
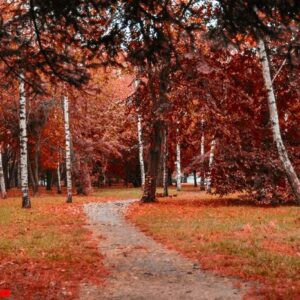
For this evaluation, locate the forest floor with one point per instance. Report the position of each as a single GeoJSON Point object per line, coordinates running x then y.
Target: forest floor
{"type": "Point", "coordinates": [53, 251]}
{"type": "Point", "coordinates": [141, 268]}
{"type": "Point", "coordinates": [231, 237]}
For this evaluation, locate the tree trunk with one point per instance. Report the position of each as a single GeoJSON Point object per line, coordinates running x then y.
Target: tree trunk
{"type": "Point", "coordinates": [178, 167]}
{"type": "Point", "coordinates": [165, 162]}
{"type": "Point", "coordinates": [26, 203]}
{"type": "Point", "coordinates": [210, 163]}
{"type": "Point", "coordinates": [32, 179]}
{"type": "Point", "coordinates": [36, 163]}
{"type": "Point", "coordinates": [153, 164]}
{"type": "Point", "coordinates": [283, 155]}
{"type": "Point", "coordinates": [2, 181]}
{"type": "Point", "coordinates": [49, 177]}
{"type": "Point", "coordinates": [86, 179]}
{"type": "Point", "coordinates": [195, 178]}
{"type": "Point", "coordinates": [58, 179]}
{"type": "Point", "coordinates": [141, 147]}
{"type": "Point", "coordinates": [202, 153]}
{"type": "Point", "coordinates": [68, 149]}
{"type": "Point", "coordinates": [160, 103]}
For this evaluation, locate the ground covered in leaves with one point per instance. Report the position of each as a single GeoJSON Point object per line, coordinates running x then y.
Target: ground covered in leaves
{"type": "Point", "coordinates": [46, 252]}
{"type": "Point", "coordinates": [231, 237]}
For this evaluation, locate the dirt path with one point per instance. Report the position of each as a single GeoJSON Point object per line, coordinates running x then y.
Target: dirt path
{"type": "Point", "coordinates": [143, 269]}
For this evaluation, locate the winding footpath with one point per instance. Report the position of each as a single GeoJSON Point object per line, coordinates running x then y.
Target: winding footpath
{"type": "Point", "coordinates": [141, 268]}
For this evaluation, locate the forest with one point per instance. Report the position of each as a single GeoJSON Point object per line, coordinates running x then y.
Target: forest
{"type": "Point", "coordinates": [189, 109]}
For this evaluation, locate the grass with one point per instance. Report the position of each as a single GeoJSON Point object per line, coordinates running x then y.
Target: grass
{"type": "Point", "coordinates": [46, 252]}
{"type": "Point", "coordinates": [231, 237]}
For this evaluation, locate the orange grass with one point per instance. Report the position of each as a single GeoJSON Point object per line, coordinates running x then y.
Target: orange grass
{"type": "Point", "coordinates": [230, 237]}
{"type": "Point", "coordinates": [45, 252]}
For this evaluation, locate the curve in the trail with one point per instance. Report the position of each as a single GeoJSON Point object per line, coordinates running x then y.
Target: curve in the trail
{"type": "Point", "coordinates": [141, 268]}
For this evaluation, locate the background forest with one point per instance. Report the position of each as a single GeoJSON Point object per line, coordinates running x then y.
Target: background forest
{"type": "Point", "coordinates": [149, 95]}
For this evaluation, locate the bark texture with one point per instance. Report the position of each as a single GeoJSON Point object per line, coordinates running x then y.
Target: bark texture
{"type": "Point", "coordinates": [153, 163]}
{"type": "Point", "coordinates": [2, 181]}
{"type": "Point", "coordinates": [274, 120]}
{"type": "Point", "coordinates": [140, 138]}
{"type": "Point", "coordinates": [141, 147]}
{"type": "Point", "coordinates": [160, 104]}
{"type": "Point", "coordinates": [202, 153]}
{"type": "Point", "coordinates": [68, 149]}
{"type": "Point", "coordinates": [23, 144]}
{"type": "Point", "coordinates": [165, 162]}
{"type": "Point", "coordinates": [210, 164]}
{"type": "Point", "coordinates": [178, 167]}
{"type": "Point", "coordinates": [58, 179]}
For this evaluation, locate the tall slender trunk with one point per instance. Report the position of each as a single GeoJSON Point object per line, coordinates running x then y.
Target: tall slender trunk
{"type": "Point", "coordinates": [2, 181]}
{"type": "Point", "coordinates": [202, 152]}
{"type": "Point", "coordinates": [141, 147]}
{"type": "Point", "coordinates": [68, 149]}
{"type": "Point", "coordinates": [36, 163]}
{"type": "Point", "coordinates": [49, 178]}
{"type": "Point", "coordinates": [140, 138]}
{"type": "Point", "coordinates": [178, 167]}
{"type": "Point", "coordinates": [210, 163]}
{"type": "Point", "coordinates": [58, 179]}
{"type": "Point", "coordinates": [32, 179]}
{"type": "Point", "coordinates": [195, 178]}
{"type": "Point", "coordinates": [282, 152]}
{"type": "Point", "coordinates": [26, 203]}
{"type": "Point", "coordinates": [165, 161]}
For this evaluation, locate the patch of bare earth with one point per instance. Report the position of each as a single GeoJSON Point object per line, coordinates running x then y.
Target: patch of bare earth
{"type": "Point", "coordinates": [141, 268]}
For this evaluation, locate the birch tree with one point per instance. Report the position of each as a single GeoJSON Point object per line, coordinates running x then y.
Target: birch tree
{"type": "Point", "coordinates": [2, 181]}
{"type": "Point", "coordinates": [26, 203]}
{"type": "Point", "coordinates": [202, 153]}
{"type": "Point", "coordinates": [68, 148]}
{"type": "Point", "coordinates": [178, 166]}
{"type": "Point", "coordinates": [210, 163]}
{"type": "Point", "coordinates": [165, 161]}
{"type": "Point", "coordinates": [274, 120]}
{"type": "Point", "coordinates": [140, 140]}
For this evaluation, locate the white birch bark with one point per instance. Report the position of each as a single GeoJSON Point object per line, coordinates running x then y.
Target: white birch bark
{"type": "Point", "coordinates": [178, 167]}
{"type": "Point", "coordinates": [140, 140]}
{"type": "Point", "coordinates": [283, 155]}
{"type": "Point", "coordinates": [58, 179]}
{"type": "Point", "coordinates": [165, 162]}
{"type": "Point", "coordinates": [2, 181]}
{"type": "Point", "coordinates": [141, 147]}
{"type": "Point", "coordinates": [210, 163]}
{"type": "Point", "coordinates": [68, 148]}
{"type": "Point", "coordinates": [202, 153]}
{"type": "Point", "coordinates": [23, 144]}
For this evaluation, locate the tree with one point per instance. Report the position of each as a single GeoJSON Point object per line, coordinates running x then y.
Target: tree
{"type": "Point", "coordinates": [257, 20]}
{"type": "Point", "coordinates": [68, 148]}
{"type": "Point", "coordinates": [2, 181]}
{"type": "Point", "coordinates": [23, 143]}
{"type": "Point", "coordinates": [283, 155]}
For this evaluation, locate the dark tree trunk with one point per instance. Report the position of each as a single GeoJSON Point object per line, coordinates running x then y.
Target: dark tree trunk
{"type": "Point", "coordinates": [165, 157]}
{"type": "Point", "coordinates": [170, 177]}
{"type": "Point", "coordinates": [32, 180]}
{"type": "Point", "coordinates": [160, 104]}
{"type": "Point", "coordinates": [153, 162]}
{"type": "Point", "coordinates": [49, 180]}
{"type": "Point", "coordinates": [195, 178]}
